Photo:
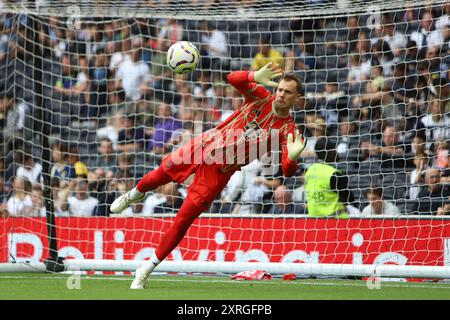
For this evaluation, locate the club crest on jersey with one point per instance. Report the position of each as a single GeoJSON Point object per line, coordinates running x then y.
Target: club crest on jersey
{"type": "Point", "coordinates": [252, 131]}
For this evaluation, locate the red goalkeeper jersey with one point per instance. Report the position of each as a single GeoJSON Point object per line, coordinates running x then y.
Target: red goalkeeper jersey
{"type": "Point", "coordinates": [251, 131]}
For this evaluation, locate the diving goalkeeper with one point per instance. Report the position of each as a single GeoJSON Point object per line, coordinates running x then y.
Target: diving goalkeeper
{"type": "Point", "coordinates": [217, 153]}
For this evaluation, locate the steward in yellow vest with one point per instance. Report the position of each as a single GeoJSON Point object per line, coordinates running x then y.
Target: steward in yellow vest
{"type": "Point", "coordinates": [327, 193]}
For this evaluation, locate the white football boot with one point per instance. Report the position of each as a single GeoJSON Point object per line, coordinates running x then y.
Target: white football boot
{"type": "Point", "coordinates": [140, 280]}
{"type": "Point", "coordinates": [122, 202]}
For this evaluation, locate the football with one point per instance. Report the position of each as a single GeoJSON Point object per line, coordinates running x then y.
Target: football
{"type": "Point", "coordinates": [182, 57]}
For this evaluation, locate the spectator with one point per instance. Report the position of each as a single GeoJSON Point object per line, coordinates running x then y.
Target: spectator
{"type": "Point", "coordinates": [75, 42]}
{"type": "Point", "coordinates": [115, 122]}
{"type": "Point", "coordinates": [215, 45]}
{"type": "Point", "coordinates": [445, 210]}
{"type": "Point", "coordinates": [382, 55]}
{"type": "Point", "coordinates": [347, 37]}
{"type": "Point", "coordinates": [247, 186]}
{"type": "Point", "coordinates": [302, 57]}
{"type": "Point", "coordinates": [377, 36]}
{"type": "Point", "coordinates": [102, 186]}
{"type": "Point", "coordinates": [266, 54]}
{"type": "Point", "coordinates": [436, 123]}
{"type": "Point", "coordinates": [53, 37]}
{"type": "Point", "coordinates": [131, 137]}
{"type": "Point", "coordinates": [109, 33]}
{"type": "Point", "coordinates": [358, 70]}
{"type": "Point", "coordinates": [14, 116]}
{"type": "Point", "coordinates": [418, 145]}
{"type": "Point", "coordinates": [125, 166]}
{"type": "Point", "coordinates": [145, 27]}
{"type": "Point", "coordinates": [377, 205]}
{"type": "Point", "coordinates": [64, 176]}
{"type": "Point", "coordinates": [411, 19]}
{"type": "Point", "coordinates": [153, 199]}
{"type": "Point", "coordinates": [433, 194]}
{"type": "Point", "coordinates": [173, 200]}
{"type": "Point", "coordinates": [134, 76]}
{"type": "Point", "coordinates": [82, 83]}
{"type": "Point", "coordinates": [28, 168]}
{"type": "Point", "coordinates": [351, 33]}
{"type": "Point", "coordinates": [100, 177]}
{"type": "Point", "coordinates": [171, 30]}
{"type": "Point", "coordinates": [61, 172]}
{"type": "Point", "coordinates": [271, 177]}
{"type": "Point", "coordinates": [444, 20]}
{"type": "Point", "coordinates": [67, 82]}
{"type": "Point", "coordinates": [315, 129]}
{"type": "Point", "coordinates": [229, 195]}
{"type": "Point", "coordinates": [98, 85]}
{"type": "Point", "coordinates": [440, 160]}
{"type": "Point", "coordinates": [37, 208]}
{"type": "Point", "coordinates": [416, 176]}
{"type": "Point", "coordinates": [435, 69]}
{"type": "Point", "coordinates": [203, 89]}
{"type": "Point", "coordinates": [445, 177]}
{"type": "Point", "coordinates": [427, 36]}
{"type": "Point", "coordinates": [93, 40]}
{"type": "Point", "coordinates": [395, 39]}
{"type": "Point", "coordinates": [327, 191]}
{"type": "Point", "coordinates": [346, 136]}
{"type": "Point", "coordinates": [119, 52]}
{"type": "Point", "coordinates": [160, 70]}
{"type": "Point", "coordinates": [331, 93]}
{"type": "Point", "coordinates": [116, 99]}
{"type": "Point", "coordinates": [74, 81]}
{"type": "Point", "coordinates": [376, 102]}
{"type": "Point", "coordinates": [79, 167]}
{"type": "Point", "coordinates": [221, 101]}
{"type": "Point", "coordinates": [363, 46]}
{"type": "Point", "coordinates": [404, 88]}
{"type": "Point", "coordinates": [390, 146]}
{"type": "Point", "coordinates": [331, 101]}
{"type": "Point", "coordinates": [19, 198]}
{"type": "Point", "coordinates": [82, 204]}
{"type": "Point", "coordinates": [251, 189]}
{"type": "Point", "coordinates": [165, 125]}
{"type": "Point", "coordinates": [410, 57]}
{"type": "Point", "coordinates": [284, 204]}
{"type": "Point", "coordinates": [106, 159]}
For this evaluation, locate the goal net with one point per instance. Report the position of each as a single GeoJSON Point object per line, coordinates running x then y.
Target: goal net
{"type": "Point", "coordinates": [88, 106]}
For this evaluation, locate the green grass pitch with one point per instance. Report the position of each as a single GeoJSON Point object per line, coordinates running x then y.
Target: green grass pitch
{"type": "Point", "coordinates": [37, 286]}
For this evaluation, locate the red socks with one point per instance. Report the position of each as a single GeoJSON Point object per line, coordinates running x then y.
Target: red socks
{"type": "Point", "coordinates": [188, 212]}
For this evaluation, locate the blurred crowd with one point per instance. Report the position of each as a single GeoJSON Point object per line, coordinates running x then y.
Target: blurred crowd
{"type": "Point", "coordinates": [113, 109]}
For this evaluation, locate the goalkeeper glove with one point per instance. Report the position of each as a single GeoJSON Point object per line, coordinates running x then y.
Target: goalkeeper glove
{"type": "Point", "coordinates": [266, 74]}
{"type": "Point", "coordinates": [296, 147]}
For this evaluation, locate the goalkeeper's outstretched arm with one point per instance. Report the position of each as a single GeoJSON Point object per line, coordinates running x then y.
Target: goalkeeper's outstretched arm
{"type": "Point", "coordinates": [246, 82]}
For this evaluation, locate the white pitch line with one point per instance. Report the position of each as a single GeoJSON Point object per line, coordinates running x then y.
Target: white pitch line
{"type": "Point", "coordinates": [299, 282]}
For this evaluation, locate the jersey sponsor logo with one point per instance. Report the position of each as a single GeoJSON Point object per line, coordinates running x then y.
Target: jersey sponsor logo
{"type": "Point", "coordinates": [252, 131]}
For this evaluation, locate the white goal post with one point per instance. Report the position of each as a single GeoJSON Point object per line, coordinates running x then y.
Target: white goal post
{"type": "Point", "coordinates": [276, 269]}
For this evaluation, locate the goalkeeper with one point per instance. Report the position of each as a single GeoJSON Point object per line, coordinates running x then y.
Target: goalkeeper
{"type": "Point", "coordinates": [261, 118]}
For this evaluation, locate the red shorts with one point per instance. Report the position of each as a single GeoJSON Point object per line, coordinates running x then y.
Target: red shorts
{"type": "Point", "coordinates": [209, 179]}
